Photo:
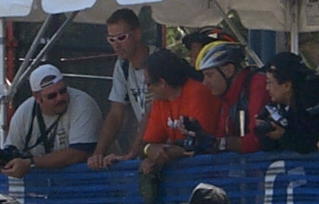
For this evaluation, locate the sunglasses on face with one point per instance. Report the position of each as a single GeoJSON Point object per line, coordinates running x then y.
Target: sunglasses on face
{"type": "Point", "coordinates": [117, 38]}
{"type": "Point", "coordinates": [53, 95]}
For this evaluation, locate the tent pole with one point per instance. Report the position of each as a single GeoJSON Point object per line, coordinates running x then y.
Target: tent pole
{"type": "Point", "coordinates": [294, 46]}
{"type": "Point", "coordinates": [3, 87]}
{"type": "Point", "coordinates": [42, 52]}
{"type": "Point", "coordinates": [241, 39]}
{"type": "Point", "coordinates": [32, 49]}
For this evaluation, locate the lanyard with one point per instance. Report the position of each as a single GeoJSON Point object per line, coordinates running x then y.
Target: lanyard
{"type": "Point", "coordinates": [47, 142]}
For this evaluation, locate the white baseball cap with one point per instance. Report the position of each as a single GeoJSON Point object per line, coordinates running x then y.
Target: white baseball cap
{"type": "Point", "coordinates": [44, 76]}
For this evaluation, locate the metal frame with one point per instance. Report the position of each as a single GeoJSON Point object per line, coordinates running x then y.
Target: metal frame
{"type": "Point", "coordinates": [294, 7]}
{"type": "Point", "coordinates": [3, 85]}
{"type": "Point", "coordinates": [9, 90]}
{"type": "Point", "coordinates": [25, 70]}
{"type": "Point", "coordinates": [241, 39]}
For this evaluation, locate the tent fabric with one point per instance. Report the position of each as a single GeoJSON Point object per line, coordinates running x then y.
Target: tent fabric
{"type": "Point", "coordinates": [15, 8]}
{"type": "Point", "coordinates": [255, 14]}
{"type": "Point", "coordinates": [131, 2]}
{"type": "Point", "coordinates": [261, 177]}
{"type": "Point", "coordinates": [61, 6]}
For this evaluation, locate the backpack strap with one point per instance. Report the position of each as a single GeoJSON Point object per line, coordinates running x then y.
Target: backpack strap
{"type": "Point", "coordinates": [242, 104]}
{"type": "Point", "coordinates": [125, 65]}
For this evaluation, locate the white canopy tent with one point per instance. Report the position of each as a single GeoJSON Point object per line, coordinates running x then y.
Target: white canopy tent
{"type": "Point", "coordinates": [280, 15]}
{"type": "Point", "coordinates": [255, 14]}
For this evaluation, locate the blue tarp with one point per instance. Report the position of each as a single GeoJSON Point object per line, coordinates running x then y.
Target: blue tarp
{"type": "Point", "coordinates": [3, 184]}
{"type": "Point", "coordinates": [247, 178]}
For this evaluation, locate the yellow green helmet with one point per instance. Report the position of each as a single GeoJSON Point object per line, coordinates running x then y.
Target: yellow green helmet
{"type": "Point", "coordinates": [219, 53]}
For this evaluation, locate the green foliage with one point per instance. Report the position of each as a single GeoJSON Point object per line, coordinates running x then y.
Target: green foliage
{"type": "Point", "coordinates": [174, 36]}
{"type": "Point", "coordinates": [233, 16]}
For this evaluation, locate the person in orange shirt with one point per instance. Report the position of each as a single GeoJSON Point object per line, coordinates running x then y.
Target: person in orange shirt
{"type": "Point", "coordinates": [177, 97]}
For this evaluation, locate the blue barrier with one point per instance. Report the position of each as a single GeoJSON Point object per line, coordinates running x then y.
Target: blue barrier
{"type": "Point", "coordinates": [3, 184]}
{"type": "Point", "coordinates": [247, 178]}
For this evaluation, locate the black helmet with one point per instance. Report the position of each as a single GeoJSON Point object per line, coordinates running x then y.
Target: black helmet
{"type": "Point", "coordinates": [206, 35]}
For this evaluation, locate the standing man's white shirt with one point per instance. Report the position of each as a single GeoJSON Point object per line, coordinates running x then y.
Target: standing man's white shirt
{"type": "Point", "coordinates": [134, 87]}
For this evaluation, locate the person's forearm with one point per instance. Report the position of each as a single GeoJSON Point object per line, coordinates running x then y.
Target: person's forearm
{"type": "Point", "coordinates": [107, 136]}
{"type": "Point", "coordinates": [249, 143]}
{"type": "Point", "coordinates": [233, 144]}
{"type": "Point", "coordinates": [138, 146]}
{"type": "Point", "coordinates": [111, 126]}
{"type": "Point", "coordinates": [61, 158]}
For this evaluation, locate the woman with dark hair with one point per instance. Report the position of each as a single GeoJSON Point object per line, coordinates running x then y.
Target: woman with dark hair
{"type": "Point", "coordinates": [176, 95]}
{"type": "Point", "coordinates": [293, 89]}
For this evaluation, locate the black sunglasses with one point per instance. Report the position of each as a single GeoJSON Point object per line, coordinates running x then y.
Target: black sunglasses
{"type": "Point", "coordinates": [53, 95]}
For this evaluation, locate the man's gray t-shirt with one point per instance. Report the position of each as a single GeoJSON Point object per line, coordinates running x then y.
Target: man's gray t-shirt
{"type": "Point", "coordinates": [80, 124]}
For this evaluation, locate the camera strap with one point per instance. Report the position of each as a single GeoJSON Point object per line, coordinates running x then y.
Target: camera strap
{"type": "Point", "coordinates": [28, 137]}
{"type": "Point", "coordinates": [241, 106]}
{"type": "Point", "coordinates": [47, 142]}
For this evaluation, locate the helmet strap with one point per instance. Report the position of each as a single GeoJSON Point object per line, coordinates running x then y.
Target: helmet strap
{"type": "Point", "coordinates": [227, 80]}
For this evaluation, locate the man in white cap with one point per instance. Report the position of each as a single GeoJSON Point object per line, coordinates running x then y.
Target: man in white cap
{"type": "Point", "coordinates": [58, 126]}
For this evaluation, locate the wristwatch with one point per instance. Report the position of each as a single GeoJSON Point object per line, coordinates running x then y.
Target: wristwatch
{"type": "Point", "coordinates": [222, 145]}
{"type": "Point", "coordinates": [146, 148]}
{"type": "Point", "coordinates": [32, 164]}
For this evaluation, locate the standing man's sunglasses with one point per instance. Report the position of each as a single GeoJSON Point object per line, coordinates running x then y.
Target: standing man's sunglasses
{"type": "Point", "coordinates": [117, 38]}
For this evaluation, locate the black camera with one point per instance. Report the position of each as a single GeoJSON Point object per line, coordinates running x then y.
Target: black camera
{"type": "Point", "coordinates": [191, 125]}
{"type": "Point", "coordinates": [271, 113]}
{"type": "Point", "coordinates": [201, 142]}
{"type": "Point", "coordinates": [190, 142]}
{"type": "Point", "coordinates": [11, 152]}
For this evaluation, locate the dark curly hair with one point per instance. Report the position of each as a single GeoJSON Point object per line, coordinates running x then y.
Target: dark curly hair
{"type": "Point", "coordinates": [289, 67]}
{"type": "Point", "coordinates": [168, 66]}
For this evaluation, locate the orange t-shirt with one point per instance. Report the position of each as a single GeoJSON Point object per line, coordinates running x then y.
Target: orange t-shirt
{"type": "Point", "coordinates": [195, 101]}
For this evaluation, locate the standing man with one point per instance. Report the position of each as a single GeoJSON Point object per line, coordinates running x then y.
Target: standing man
{"type": "Point", "coordinates": [124, 34]}
{"type": "Point", "coordinates": [58, 126]}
